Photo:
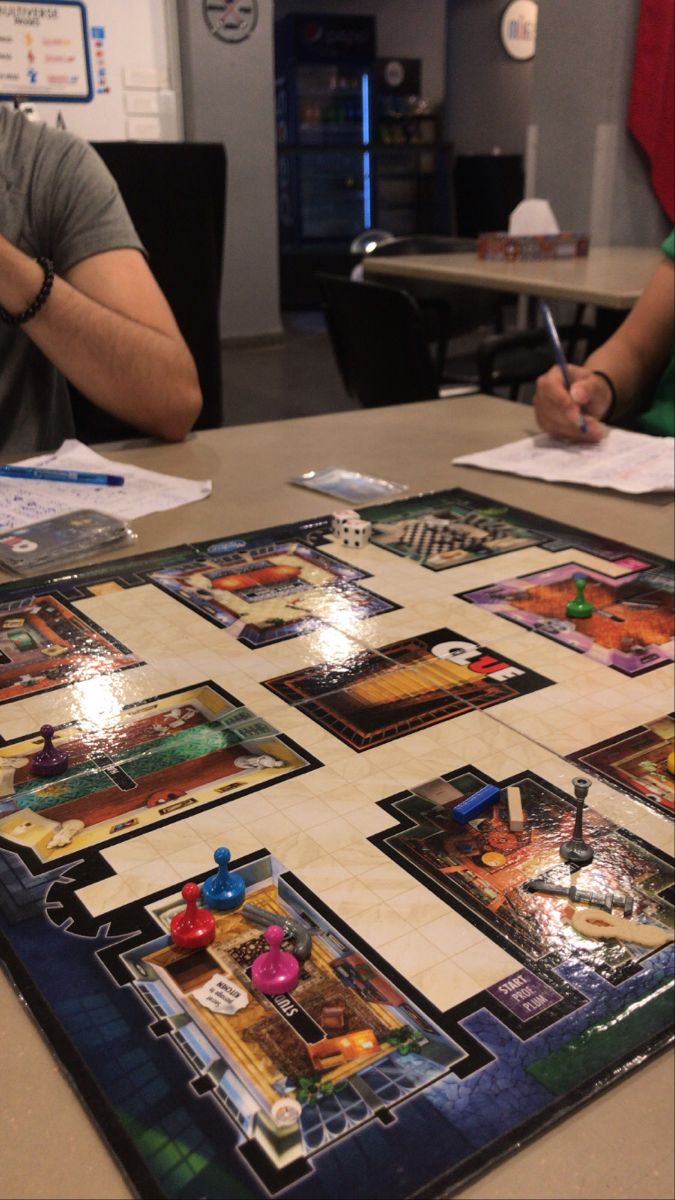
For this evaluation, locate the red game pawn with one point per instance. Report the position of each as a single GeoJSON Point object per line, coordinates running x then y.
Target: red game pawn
{"type": "Point", "coordinates": [194, 926]}
{"type": "Point", "coordinates": [49, 760]}
{"type": "Point", "coordinates": [275, 970]}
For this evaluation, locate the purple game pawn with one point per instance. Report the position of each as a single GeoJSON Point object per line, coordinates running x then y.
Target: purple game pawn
{"type": "Point", "coordinates": [49, 760]}
{"type": "Point", "coordinates": [275, 970]}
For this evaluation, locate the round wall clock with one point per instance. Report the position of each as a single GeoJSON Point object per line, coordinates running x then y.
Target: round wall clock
{"type": "Point", "coordinates": [231, 20]}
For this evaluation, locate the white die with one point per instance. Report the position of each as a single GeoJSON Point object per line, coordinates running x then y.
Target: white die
{"type": "Point", "coordinates": [356, 533]}
{"type": "Point", "coordinates": [339, 520]}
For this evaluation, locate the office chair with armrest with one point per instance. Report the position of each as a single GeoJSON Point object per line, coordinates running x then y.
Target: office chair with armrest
{"type": "Point", "coordinates": [175, 195]}
{"type": "Point", "coordinates": [449, 310]}
{"type": "Point", "coordinates": [510, 360]}
{"type": "Point", "coordinates": [424, 243]}
{"type": "Point", "coordinates": [379, 341]}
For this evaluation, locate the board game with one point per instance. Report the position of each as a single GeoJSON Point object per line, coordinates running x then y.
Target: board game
{"type": "Point", "coordinates": [430, 775]}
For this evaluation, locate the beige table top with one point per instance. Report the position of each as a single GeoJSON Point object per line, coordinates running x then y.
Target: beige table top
{"type": "Point", "coordinates": [611, 276]}
{"type": "Point", "coordinates": [620, 1145]}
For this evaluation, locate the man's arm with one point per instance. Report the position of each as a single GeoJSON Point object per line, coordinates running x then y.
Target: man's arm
{"type": "Point", "coordinates": [108, 328]}
{"type": "Point", "coordinates": [633, 357]}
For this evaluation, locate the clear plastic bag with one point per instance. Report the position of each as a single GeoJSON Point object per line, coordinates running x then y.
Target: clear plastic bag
{"type": "Point", "coordinates": [60, 541]}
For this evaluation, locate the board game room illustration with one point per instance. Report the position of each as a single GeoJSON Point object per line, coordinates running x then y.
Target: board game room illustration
{"type": "Point", "coordinates": [270, 592]}
{"type": "Point", "coordinates": [168, 755]}
{"type": "Point", "coordinates": [336, 858]}
{"type": "Point", "coordinates": [43, 644]}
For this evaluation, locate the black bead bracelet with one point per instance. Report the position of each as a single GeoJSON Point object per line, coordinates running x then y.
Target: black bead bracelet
{"type": "Point", "coordinates": [20, 318]}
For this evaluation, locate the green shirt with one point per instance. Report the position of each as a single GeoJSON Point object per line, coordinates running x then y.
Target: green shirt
{"type": "Point", "coordinates": [660, 416]}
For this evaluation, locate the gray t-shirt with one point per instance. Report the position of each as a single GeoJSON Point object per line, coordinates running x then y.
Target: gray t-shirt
{"type": "Point", "coordinates": [57, 200]}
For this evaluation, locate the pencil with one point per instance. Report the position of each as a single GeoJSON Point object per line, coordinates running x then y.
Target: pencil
{"type": "Point", "coordinates": [559, 356]}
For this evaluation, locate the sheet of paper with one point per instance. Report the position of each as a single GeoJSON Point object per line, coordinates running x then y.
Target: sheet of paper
{"type": "Point", "coordinates": [27, 500]}
{"type": "Point", "coordinates": [624, 461]}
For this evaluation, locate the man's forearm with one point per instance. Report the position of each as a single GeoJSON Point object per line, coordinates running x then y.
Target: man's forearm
{"type": "Point", "coordinates": [20, 278]}
{"type": "Point", "coordinates": [137, 372]}
{"type": "Point", "coordinates": [132, 371]}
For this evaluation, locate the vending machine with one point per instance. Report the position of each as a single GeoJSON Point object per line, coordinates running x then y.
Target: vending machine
{"type": "Point", "coordinates": [324, 67]}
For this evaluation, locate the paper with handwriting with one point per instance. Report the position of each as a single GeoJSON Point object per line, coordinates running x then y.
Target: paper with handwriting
{"type": "Point", "coordinates": [624, 461]}
{"type": "Point", "coordinates": [23, 501]}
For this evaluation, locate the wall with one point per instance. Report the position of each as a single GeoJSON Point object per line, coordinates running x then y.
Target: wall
{"type": "Point", "coordinates": [582, 157]}
{"type": "Point", "coordinates": [408, 28]}
{"type": "Point", "coordinates": [228, 96]}
{"type": "Point", "coordinates": [488, 93]}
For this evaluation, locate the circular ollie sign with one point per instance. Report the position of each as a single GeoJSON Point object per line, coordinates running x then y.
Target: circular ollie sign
{"type": "Point", "coordinates": [231, 20]}
{"type": "Point", "coordinates": [518, 29]}
{"type": "Point", "coordinates": [394, 73]}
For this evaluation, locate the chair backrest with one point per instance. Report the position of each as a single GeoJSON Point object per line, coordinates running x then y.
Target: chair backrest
{"type": "Point", "coordinates": [466, 308]}
{"type": "Point", "coordinates": [510, 360]}
{"type": "Point", "coordinates": [423, 243]}
{"type": "Point", "coordinates": [175, 195]}
{"type": "Point", "coordinates": [379, 342]}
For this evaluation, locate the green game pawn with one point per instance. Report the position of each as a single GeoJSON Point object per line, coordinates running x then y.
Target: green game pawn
{"type": "Point", "coordinates": [580, 607]}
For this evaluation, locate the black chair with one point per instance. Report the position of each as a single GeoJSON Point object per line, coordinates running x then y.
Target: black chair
{"type": "Point", "coordinates": [505, 362]}
{"type": "Point", "coordinates": [424, 243]}
{"type": "Point", "coordinates": [379, 341]}
{"type": "Point", "coordinates": [175, 195]}
{"type": "Point", "coordinates": [449, 310]}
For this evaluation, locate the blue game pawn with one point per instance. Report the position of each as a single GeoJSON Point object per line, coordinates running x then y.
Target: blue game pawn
{"type": "Point", "coordinates": [225, 889]}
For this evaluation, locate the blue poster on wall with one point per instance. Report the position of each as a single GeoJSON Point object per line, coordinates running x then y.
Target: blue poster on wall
{"type": "Point", "coordinates": [44, 51]}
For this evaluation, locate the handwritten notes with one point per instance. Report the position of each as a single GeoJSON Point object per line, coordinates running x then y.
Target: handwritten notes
{"type": "Point", "coordinates": [23, 501]}
{"type": "Point", "coordinates": [627, 462]}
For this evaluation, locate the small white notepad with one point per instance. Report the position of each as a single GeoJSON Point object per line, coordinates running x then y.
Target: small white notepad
{"type": "Point", "coordinates": [627, 462]}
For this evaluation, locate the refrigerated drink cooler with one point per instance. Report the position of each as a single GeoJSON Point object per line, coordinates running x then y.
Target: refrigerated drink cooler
{"type": "Point", "coordinates": [324, 69]}
{"type": "Point", "coordinates": [351, 153]}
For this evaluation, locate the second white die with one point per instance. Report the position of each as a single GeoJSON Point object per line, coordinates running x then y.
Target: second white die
{"type": "Point", "coordinates": [356, 533]}
{"type": "Point", "coordinates": [339, 520]}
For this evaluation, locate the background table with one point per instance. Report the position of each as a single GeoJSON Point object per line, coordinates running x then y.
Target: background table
{"type": "Point", "coordinates": [611, 276]}
{"type": "Point", "coordinates": [620, 1145]}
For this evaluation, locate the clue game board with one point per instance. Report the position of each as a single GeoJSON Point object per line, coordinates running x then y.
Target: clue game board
{"type": "Point", "coordinates": [454, 798]}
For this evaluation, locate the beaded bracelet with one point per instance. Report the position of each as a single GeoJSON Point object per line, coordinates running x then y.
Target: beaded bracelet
{"type": "Point", "coordinates": [20, 318]}
{"type": "Point", "coordinates": [614, 399]}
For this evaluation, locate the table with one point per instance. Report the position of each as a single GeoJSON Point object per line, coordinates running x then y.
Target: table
{"type": "Point", "coordinates": [611, 276]}
{"type": "Point", "coordinates": [51, 1147]}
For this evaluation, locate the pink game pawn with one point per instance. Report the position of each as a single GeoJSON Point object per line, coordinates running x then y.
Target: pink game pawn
{"type": "Point", "coordinates": [49, 760]}
{"type": "Point", "coordinates": [194, 926]}
{"type": "Point", "coordinates": [275, 970]}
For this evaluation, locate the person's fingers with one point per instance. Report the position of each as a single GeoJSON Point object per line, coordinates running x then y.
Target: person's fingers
{"type": "Point", "coordinates": [592, 395]}
{"type": "Point", "coordinates": [561, 417]}
{"type": "Point", "coordinates": [595, 430]}
{"type": "Point", "coordinates": [556, 411]}
{"type": "Point", "coordinates": [575, 414]}
{"type": "Point", "coordinates": [580, 394]}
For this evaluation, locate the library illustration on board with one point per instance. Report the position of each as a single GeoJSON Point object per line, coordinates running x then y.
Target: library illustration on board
{"type": "Point", "coordinates": [341, 864]}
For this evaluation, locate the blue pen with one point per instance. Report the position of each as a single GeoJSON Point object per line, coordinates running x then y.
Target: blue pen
{"type": "Point", "coordinates": [62, 476]}
{"type": "Point", "coordinates": [559, 355]}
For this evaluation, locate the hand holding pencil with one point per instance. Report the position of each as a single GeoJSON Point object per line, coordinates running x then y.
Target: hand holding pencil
{"type": "Point", "coordinates": [570, 401]}
{"type": "Point", "coordinates": [558, 409]}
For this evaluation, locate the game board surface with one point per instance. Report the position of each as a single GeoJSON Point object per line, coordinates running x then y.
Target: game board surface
{"type": "Point", "coordinates": [322, 711]}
